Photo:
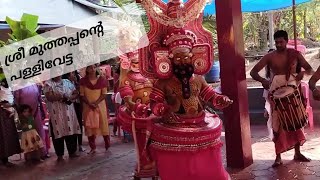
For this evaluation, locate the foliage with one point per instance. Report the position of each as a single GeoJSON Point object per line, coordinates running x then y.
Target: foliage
{"type": "Point", "coordinates": [255, 25]}
{"type": "Point", "coordinates": [25, 28]}
{"type": "Point", "coordinates": [146, 23]}
{"type": "Point", "coordinates": [307, 18]}
{"type": "Point", "coordinates": [2, 43]}
{"type": "Point", "coordinates": [121, 3]}
{"type": "Point", "coordinates": [209, 23]}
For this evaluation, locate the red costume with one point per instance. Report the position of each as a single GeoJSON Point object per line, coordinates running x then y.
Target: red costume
{"type": "Point", "coordinates": [133, 116]}
{"type": "Point", "coordinates": [185, 142]}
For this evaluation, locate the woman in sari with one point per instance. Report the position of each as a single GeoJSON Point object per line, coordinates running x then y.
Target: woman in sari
{"type": "Point", "coordinates": [93, 91]}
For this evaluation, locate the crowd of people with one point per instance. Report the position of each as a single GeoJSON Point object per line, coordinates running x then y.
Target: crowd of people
{"type": "Point", "coordinates": [70, 100]}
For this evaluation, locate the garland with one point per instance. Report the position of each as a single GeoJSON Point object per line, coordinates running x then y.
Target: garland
{"type": "Point", "coordinates": [156, 13]}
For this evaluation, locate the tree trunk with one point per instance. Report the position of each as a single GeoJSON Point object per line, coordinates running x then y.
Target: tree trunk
{"type": "Point", "coordinates": [305, 32]}
{"type": "Point", "coordinates": [263, 32]}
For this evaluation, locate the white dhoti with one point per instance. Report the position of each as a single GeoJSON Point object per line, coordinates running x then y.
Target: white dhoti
{"type": "Point", "coordinates": [267, 107]}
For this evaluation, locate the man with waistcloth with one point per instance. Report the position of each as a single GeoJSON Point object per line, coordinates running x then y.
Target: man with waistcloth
{"type": "Point", "coordinates": [285, 65]}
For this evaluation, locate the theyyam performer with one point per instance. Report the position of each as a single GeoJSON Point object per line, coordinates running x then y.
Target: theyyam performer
{"type": "Point", "coordinates": [288, 107]}
{"type": "Point", "coordinates": [185, 142]}
{"type": "Point", "coordinates": [135, 89]}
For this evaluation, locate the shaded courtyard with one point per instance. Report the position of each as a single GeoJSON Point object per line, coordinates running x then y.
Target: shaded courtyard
{"type": "Point", "coordinates": [119, 161]}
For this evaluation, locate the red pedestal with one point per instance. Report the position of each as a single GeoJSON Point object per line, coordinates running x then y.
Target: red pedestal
{"type": "Point", "coordinates": [189, 152]}
{"type": "Point", "coordinates": [233, 82]}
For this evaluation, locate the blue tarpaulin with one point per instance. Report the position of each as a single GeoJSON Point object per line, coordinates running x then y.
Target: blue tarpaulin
{"type": "Point", "coordinates": [255, 5]}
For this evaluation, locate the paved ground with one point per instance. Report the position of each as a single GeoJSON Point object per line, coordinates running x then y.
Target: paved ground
{"type": "Point", "coordinates": [263, 155]}
{"type": "Point", "coordinates": [119, 161]}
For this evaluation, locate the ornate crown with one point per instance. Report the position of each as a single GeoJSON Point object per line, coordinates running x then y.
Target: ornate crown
{"type": "Point", "coordinates": [178, 39]}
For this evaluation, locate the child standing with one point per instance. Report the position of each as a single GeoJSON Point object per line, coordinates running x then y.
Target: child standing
{"type": "Point", "coordinates": [30, 139]}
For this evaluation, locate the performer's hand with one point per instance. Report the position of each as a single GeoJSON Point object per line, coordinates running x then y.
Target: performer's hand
{"type": "Point", "coordinates": [266, 84]}
{"type": "Point", "coordinates": [299, 77]}
{"type": "Point", "coordinates": [316, 94]}
{"type": "Point", "coordinates": [141, 109]}
{"type": "Point", "coordinates": [160, 109]}
{"type": "Point", "coordinates": [225, 102]}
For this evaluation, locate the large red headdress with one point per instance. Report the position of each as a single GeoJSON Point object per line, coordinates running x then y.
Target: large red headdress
{"type": "Point", "coordinates": [175, 27]}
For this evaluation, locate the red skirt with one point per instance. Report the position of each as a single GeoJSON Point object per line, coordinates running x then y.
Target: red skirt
{"type": "Point", "coordinates": [189, 153]}
{"type": "Point", "coordinates": [286, 141]}
{"type": "Point", "coordinates": [145, 166]}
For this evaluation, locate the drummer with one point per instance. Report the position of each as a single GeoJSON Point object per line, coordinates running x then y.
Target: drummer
{"type": "Point", "coordinates": [285, 65]}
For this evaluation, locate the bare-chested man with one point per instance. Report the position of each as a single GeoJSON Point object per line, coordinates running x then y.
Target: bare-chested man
{"type": "Point", "coordinates": [285, 65]}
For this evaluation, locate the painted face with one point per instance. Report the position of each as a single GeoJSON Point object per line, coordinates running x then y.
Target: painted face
{"type": "Point", "coordinates": [134, 65]}
{"type": "Point", "coordinates": [182, 58]}
{"type": "Point", "coordinates": [281, 44]}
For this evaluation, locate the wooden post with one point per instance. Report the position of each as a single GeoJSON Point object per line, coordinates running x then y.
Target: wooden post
{"type": "Point", "coordinates": [294, 23]}
{"type": "Point", "coordinates": [233, 82]}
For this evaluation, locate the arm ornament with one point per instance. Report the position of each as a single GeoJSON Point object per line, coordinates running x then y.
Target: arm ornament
{"type": "Point", "coordinates": [156, 95]}
{"type": "Point", "coordinates": [209, 95]}
{"type": "Point", "coordinates": [140, 109]}
{"type": "Point", "coordinates": [157, 99]}
{"type": "Point", "coordinates": [126, 91]}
